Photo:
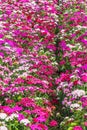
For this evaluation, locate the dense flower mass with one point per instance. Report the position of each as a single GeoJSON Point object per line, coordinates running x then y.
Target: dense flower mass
{"type": "Point", "coordinates": [43, 65]}
{"type": "Point", "coordinates": [27, 45]}
{"type": "Point", "coordinates": [72, 81]}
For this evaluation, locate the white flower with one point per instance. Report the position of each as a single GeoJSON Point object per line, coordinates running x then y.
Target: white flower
{"type": "Point", "coordinates": [79, 26]}
{"type": "Point", "coordinates": [71, 119]}
{"type": "Point", "coordinates": [64, 84]}
{"type": "Point", "coordinates": [8, 118]}
{"type": "Point", "coordinates": [3, 115]}
{"type": "Point", "coordinates": [3, 128]}
{"type": "Point", "coordinates": [66, 118]}
{"type": "Point", "coordinates": [78, 93]}
{"type": "Point", "coordinates": [62, 123]}
{"type": "Point", "coordinates": [75, 106]}
{"type": "Point", "coordinates": [45, 81]}
{"type": "Point", "coordinates": [12, 116]}
{"type": "Point", "coordinates": [25, 121]}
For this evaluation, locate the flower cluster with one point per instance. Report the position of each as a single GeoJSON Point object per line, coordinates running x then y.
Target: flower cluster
{"type": "Point", "coordinates": [27, 55]}
{"type": "Point", "coordinates": [71, 84]}
{"type": "Point", "coordinates": [43, 65]}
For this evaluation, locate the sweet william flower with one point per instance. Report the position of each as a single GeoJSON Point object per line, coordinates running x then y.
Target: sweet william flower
{"type": "Point", "coordinates": [78, 93]}
{"type": "Point", "coordinates": [44, 127]}
{"type": "Point", "coordinates": [3, 115]}
{"type": "Point", "coordinates": [38, 127]}
{"type": "Point", "coordinates": [40, 119]}
{"type": "Point", "coordinates": [12, 116]}
{"type": "Point", "coordinates": [3, 128]}
{"type": "Point", "coordinates": [84, 101]}
{"type": "Point", "coordinates": [84, 78]}
{"type": "Point", "coordinates": [25, 121]}
{"type": "Point", "coordinates": [53, 123]}
{"type": "Point", "coordinates": [1, 35]}
{"type": "Point", "coordinates": [85, 123]}
{"type": "Point", "coordinates": [77, 128]}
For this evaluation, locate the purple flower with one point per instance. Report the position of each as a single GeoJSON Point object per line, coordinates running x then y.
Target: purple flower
{"type": "Point", "coordinates": [2, 54]}
{"type": "Point", "coordinates": [64, 46]}
{"type": "Point", "coordinates": [20, 116]}
{"type": "Point", "coordinates": [2, 42]}
{"type": "Point", "coordinates": [84, 41]}
{"type": "Point", "coordinates": [11, 42]}
{"type": "Point", "coordinates": [7, 109]}
{"type": "Point", "coordinates": [1, 35]}
{"type": "Point", "coordinates": [17, 108]}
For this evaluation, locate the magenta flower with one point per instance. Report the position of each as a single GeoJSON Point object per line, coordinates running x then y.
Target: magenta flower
{"type": "Point", "coordinates": [17, 108]}
{"type": "Point", "coordinates": [84, 78]}
{"type": "Point", "coordinates": [84, 103]}
{"type": "Point", "coordinates": [27, 102]}
{"type": "Point", "coordinates": [7, 109]}
{"type": "Point", "coordinates": [77, 128]}
{"type": "Point", "coordinates": [1, 35]}
{"type": "Point", "coordinates": [20, 116]}
{"type": "Point", "coordinates": [39, 127]}
{"type": "Point", "coordinates": [40, 119]}
{"type": "Point", "coordinates": [1, 54]}
{"type": "Point", "coordinates": [53, 123]}
{"type": "Point", "coordinates": [64, 46]}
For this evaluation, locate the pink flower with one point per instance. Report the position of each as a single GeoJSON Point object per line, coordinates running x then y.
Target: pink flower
{"type": "Point", "coordinates": [38, 127]}
{"type": "Point", "coordinates": [84, 101]}
{"type": "Point", "coordinates": [77, 128]}
{"type": "Point", "coordinates": [85, 123]}
{"type": "Point", "coordinates": [84, 78]}
{"type": "Point", "coordinates": [26, 102]}
{"type": "Point", "coordinates": [40, 119]}
{"type": "Point", "coordinates": [17, 108]}
{"type": "Point", "coordinates": [20, 117]}
{"type": "Point", "coordinates": [64, 46]}
{"type": "Point", "coordinates": [84, 104]}
{"type": "Point", "coordinates": [62, 62]}
{"type": "Point", "coordinates": [53, 123]}
{"type": "Point", "coordinates": [1, 35]}
{"type": "Point", "coordinates": [9, 101]}
{"type": "Point", "coordinates": [7, 109]}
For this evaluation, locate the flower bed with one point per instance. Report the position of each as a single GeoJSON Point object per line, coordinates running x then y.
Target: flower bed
{"type": "Point", "coordinates": [43, 65]}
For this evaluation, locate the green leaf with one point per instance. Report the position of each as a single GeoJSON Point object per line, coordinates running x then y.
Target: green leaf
{"type": "Point", "coordinates": [70, 128]}
{"type": "Point", "coordinates": [0, 61]}
{"type": "Point", "coordinates": [73, 124]}
{"type": "Point", "coordinates": [0, 12]}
